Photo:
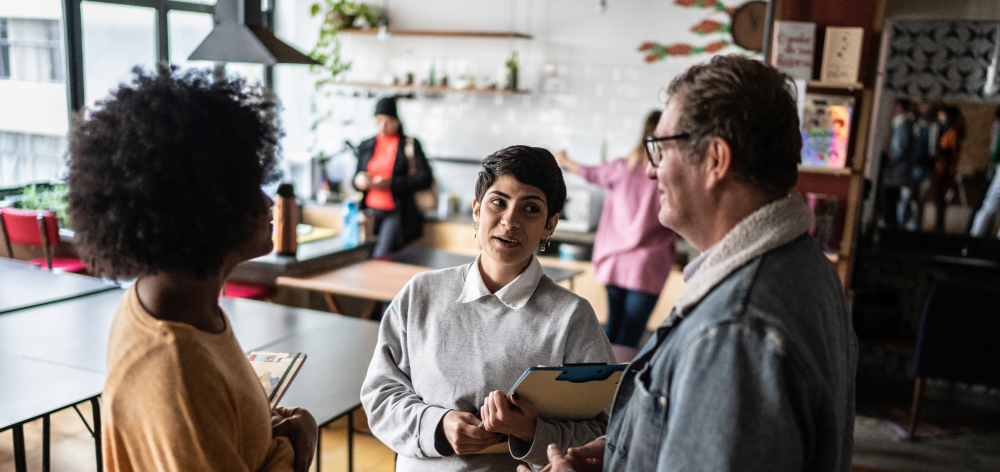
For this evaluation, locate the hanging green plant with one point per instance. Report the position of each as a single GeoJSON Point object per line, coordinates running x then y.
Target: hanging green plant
{"type": "Point", "coordinates": [337, 16]}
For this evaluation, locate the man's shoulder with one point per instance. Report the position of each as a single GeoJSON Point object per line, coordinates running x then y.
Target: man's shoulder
{"type": "Point", "coordinates": [785, 288]}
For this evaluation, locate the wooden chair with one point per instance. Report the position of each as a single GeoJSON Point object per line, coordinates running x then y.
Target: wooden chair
{"type": "Point", "coordinates": [957, 338]}
{"type": "Point", "coordinates": [37, 228]}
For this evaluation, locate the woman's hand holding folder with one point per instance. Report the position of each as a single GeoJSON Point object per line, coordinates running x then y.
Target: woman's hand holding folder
{"type": "Point", "coordinates": [459, 429]}
{"type": "Point", "coordinates": [513, 415]}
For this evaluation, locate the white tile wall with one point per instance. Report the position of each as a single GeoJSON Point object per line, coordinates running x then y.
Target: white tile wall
{"type": "Point", "coordinates": [602, 90]}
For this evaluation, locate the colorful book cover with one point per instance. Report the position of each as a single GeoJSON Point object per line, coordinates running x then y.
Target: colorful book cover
{"type": "Point", "coordinates": [275, 370]}
{"type": "Point", "coordinates": [826, 125]}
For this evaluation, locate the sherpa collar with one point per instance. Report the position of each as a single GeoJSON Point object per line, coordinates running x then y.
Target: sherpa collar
{"type": "Point", "coordinates": [773, 225]}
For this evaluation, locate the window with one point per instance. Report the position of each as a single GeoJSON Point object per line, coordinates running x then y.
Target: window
{"type": "Point", "coordinates": [35, 117]}
{"type": "Point", "coordinates": [116, 38]}
{"type": "Point", "coordinates": [4, 49]}
{"type": "Point", "coordinates": [187, 31]}
{"type": "Point", "coordinates": [31, 50]}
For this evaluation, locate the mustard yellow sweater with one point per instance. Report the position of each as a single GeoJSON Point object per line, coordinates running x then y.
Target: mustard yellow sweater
{"type": "Point", "coordinates": [180, 399]}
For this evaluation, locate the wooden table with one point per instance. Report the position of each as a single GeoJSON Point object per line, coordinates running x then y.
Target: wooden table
{"type": "Point", "coordinates": [381, 280]}
{"type": "Point", "coordinates": [24, 285]}
{"type": "Point", "coordinates": [54, 356]}
{"type": "Point", "coordinates": [374, 281]}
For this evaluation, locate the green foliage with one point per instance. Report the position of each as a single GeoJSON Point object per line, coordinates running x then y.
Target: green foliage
{"type": "Point", "coordinates": [53, 200]}
{"type": "Point", "coordinates": [337, 15]}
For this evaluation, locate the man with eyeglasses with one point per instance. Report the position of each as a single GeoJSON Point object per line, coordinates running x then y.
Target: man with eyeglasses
{"type": "Point", "coordinates": [754, 368]}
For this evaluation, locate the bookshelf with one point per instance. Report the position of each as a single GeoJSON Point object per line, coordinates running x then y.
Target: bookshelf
{"type": "Point", "coordinates": [846, 183]}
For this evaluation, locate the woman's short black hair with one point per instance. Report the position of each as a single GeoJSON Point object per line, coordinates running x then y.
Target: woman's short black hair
{"type": "Point", "coordinates": [166, 173]}
{"type": "Point", "coordinates": [530, 166]}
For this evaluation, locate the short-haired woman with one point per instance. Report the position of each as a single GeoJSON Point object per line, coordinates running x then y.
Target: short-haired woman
{"type": "Point", "coordinates": [391, 169]}
{"type": "Point", "coordinates": [633, 252]}
{"type": "Point", "coordinates": [453, 340]}
{"type": "Point", "coordinates": [165, 185]}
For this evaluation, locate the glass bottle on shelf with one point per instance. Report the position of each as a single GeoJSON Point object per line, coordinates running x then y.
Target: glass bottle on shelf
{"type": "Point", "coordinates": [510, 82]}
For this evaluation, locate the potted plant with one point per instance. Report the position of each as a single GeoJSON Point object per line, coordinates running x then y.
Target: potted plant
{"type": "Point", "coordinates": [338, 15]}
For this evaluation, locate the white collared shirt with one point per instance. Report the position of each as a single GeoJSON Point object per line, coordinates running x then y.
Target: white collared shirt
{"type": "Point", "coordinates": [514, 295]}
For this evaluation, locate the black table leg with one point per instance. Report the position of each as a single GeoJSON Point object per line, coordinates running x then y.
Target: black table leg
{"type": "Point", "coordinates": [350, 441]}
{"type": "Point", "coordinates": [46, 429]}
{"type": "Point", "coordinates": [97, 432]}
{"type": "Point", "coordinates": [319, 448]}
{"type": "Point", "coordinates": [20, 464]}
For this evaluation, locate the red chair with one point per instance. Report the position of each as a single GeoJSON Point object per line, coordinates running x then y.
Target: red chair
{"type": "Point", "coordinates": [237, 289]}
{"type": "Point", "coordinates": [37, 228]}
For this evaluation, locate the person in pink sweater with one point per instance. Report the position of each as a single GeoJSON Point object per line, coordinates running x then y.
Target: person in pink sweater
{"type": "Point", "coordinates": [633, 252]}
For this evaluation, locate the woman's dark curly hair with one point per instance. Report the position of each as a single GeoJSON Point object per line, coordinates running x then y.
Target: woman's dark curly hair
{"type": "Point", "coordinates": [530, 166]}
{"type": "Point", "coordinates": [166, 174]}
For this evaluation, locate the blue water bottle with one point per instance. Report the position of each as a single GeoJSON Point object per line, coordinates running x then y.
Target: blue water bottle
{"type": "Point", "coordinates": [350, 212]}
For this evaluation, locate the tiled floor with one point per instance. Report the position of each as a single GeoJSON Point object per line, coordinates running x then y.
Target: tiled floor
{"type": "Point", "coordinates": [875, 449]}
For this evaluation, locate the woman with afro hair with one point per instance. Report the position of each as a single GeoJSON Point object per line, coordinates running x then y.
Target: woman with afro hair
{"type": "Point", "coordinates": [165, 186]}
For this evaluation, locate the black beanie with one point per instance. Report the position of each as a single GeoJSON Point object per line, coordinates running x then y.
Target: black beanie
{"type": "Point", "coordinates": [387, 106]}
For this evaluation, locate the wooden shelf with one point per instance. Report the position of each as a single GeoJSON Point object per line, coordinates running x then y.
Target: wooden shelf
{"type": "Point", "coordinates": [836, 85]}
{"type": "Point", "coordinates": [425, 88]}
{"type": "Point", "coordinates": [826, 170]}
{"type": "Point", "coordinates": [445, 33]}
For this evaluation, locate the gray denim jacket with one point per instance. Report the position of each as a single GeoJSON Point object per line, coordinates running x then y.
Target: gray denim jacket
{"type": "Point", "coordinates": [754, 369]}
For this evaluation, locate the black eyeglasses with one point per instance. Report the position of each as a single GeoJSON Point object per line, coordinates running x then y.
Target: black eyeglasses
{"type": "Point", "coordinates": [653, 150]}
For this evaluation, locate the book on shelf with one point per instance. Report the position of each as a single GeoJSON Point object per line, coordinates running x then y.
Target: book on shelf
{"type": "Point", "coordinates": [826, 129]}
{"type": "Point", "coordinates": [793, 51]}
{"type": "Point", "coordinates": [841, 54]}
{"type": "Point", "coordinates": [276, 370]}
{"type": "Point", "coordinates": [824, 208]}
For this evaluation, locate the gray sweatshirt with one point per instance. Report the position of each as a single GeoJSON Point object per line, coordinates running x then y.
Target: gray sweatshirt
{"type": "Point", "coordinates": [445, 343]}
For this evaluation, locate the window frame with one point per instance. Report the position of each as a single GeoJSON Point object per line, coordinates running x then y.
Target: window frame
{"type": "Point", "coordinates": [73, 38]}
{"type": "Point", "coordinates": [5, 49]}
{"type": "Point", "coordinates": [53, 46]}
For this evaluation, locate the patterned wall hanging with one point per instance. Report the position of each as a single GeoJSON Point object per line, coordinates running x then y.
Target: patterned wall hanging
{"type": "Point", "coordinates": [941, 60]}
{"type": "Point", "coordinates": [709, 28]}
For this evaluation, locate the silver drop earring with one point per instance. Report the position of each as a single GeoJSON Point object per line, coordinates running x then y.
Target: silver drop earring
{"type": "Point", "coordinates": [545, 243]}
{"type": "Point", "coordinates": [475, 226]}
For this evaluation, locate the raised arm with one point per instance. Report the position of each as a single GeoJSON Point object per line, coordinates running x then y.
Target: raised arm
{"type": "Point", "coordinates": [604, 175]}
